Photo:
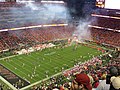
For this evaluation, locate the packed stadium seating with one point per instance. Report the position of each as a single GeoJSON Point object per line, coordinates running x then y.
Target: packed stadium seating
{"type": "Point", "coordinates": [12, 39]}
{"type": "Point", "coordinates": [112, 23]}
{"type": "Point", "coordinates": [106, 36]}
{"type": "Point", "coordinates": [14, 15]}
{"type": "Point", "coordinates": [105, 26]}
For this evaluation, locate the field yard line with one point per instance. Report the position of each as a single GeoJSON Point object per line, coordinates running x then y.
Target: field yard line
{"type": "Point", "coordinates": [6, 82]}
{"type": "Point", "coordinates": [32, 63]}
{"type": "Point", "coordinates": [24, 69]}
{"type": "Point", "coordinates": [43, 80]}
{"type": "Point", "coordinates": [45, 63]}
{"type": "Point", "coordinates": [19, 70]}
{"type": "Point", "coordinates": [27, 65]}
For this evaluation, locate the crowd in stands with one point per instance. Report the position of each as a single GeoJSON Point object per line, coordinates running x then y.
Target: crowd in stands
{"type": "Point", "coordinates": [106, 37]}
{"type": "Point", "coordinates": [112, 23]}
{"type": "Point", "coordinates": [13, 39]}
{"type": "Point", "coordinates": [107, 26]}
{"type": "Point", "coordinates": [94, 74]}
{"type": "Point", "coordinates": [14, 19]}
{"type": "Point", "coordinates": [16, 15]}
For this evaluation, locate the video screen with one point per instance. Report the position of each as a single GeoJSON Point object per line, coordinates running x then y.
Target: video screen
{"type": "Point", "coordinates": [112, 4]}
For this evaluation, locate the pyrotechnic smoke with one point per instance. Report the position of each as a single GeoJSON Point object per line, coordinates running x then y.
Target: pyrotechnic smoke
{"type": "Point", "coordinates": [31, 13]}
{"type": "Point", "coordinates": [31, 6]}
{"type": "Point", "coordinates": [2, 0]}
{"type": "Point", "coordinates": [82, 30]}
{"type": "Point", "coordinates": [36, 13]}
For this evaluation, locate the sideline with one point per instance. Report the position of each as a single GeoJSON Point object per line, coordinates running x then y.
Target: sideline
{"type": "Point", "coordinates": [7, 83]}
{"type": "Point", "coordinates": [44, 79]}
{"type": "Point", "coordinates": [40, 81]}
{"type": "Point", "coordinates": [8, 57]}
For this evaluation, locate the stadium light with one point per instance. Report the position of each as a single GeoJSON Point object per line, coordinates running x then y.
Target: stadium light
{"type": "Point", "coordinates": [98, 27]}
{"type": "Point", "coordinates": [52, 1]}
{"type": "Point", "coordinates": [25, 1]}
{"type": "Point", "coordinates": [3, 30]}
{"type": "Point", "coordinates": [104, 16]}
{"type": "Point", "coordinates": [37, 26]}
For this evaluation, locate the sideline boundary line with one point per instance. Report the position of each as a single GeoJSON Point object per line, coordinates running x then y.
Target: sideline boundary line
{"type": "Point", "coordinates": [7, 83]}
{"type": "Point", "coordinates": [39, 81]}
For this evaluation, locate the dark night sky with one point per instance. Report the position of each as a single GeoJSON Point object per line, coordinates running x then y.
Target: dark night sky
{"type": "Point", "coordinates": [80, 8]}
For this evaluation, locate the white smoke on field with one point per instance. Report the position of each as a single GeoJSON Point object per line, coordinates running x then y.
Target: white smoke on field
{"type": "Point", "coordinates": [82, 30]}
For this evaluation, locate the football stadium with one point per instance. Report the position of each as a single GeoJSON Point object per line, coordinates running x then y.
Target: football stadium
{"type": "Point", "coordinates": [59, 45]}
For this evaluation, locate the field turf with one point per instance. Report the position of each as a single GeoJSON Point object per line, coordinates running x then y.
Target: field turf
{"type": "Point", "coordinates": [41, 64]}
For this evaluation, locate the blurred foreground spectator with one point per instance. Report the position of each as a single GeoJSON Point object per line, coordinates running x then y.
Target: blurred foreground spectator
{"type": "Point", "coordinates": [81, 82]}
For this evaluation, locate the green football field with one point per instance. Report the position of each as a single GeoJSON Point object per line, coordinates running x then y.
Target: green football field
{"type": "Point", "coordinates": [41, 64]}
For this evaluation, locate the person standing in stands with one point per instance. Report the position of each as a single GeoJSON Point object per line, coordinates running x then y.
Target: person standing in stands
{"type": "Point", "coordinates": [81, 82]}
{"type": "Point", "coordinates": [115, 82]}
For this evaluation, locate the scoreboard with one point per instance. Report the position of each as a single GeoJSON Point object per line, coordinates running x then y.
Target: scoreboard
{"type": "Point", "coordinates": [112, 4]}
{"type": "Point", "coordinates": [100, 3]}
{"type": "Point", "coordinates": [108, 4]}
